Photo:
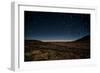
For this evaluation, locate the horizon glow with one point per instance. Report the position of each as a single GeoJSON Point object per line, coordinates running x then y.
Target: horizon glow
{"type": "Point", "coordinates": [55, 26]}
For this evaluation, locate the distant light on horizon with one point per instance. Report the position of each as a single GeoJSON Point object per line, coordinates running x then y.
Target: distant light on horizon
{"type": "Point", "coordinates": [57, 40]}
{"type": "Point", "coordinates": [55, 26]}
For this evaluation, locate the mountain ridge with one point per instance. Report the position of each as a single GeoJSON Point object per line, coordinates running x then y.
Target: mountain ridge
{"type": "Point", "coordinates": [84, 39]}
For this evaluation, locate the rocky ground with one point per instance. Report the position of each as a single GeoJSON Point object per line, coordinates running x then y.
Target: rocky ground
{"type": "Point", "coordinates": [40, 51]}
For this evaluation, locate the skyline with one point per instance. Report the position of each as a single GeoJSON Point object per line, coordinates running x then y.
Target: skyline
{"type": "Point", "coordinates": [55, 26]}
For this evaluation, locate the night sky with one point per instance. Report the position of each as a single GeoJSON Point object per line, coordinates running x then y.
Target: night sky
{"type": "Point", "coordinates": [55, 26]}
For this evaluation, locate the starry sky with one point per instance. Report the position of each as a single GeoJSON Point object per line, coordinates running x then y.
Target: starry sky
{"type": "Point", "coordinates": [55, 25]}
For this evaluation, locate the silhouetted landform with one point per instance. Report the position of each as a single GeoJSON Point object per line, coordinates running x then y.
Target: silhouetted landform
{"type": "Point", "coordinates": [31, 41]}
{"type": "Point", "coordinates": [84, 39]}
{"type": "Point", "coordinates": [36, 50]}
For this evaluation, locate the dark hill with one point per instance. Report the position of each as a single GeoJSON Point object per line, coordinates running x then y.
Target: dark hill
{"type": "Point", "coordinates": [84, 39]}
{"type": "Point", "coordinates": [32, 41]}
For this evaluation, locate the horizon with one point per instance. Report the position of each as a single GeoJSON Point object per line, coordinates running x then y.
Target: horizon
{"type": "Point", "coordinates": [54, 40]}
{"type": "Point", "coordinates": [55, 26]}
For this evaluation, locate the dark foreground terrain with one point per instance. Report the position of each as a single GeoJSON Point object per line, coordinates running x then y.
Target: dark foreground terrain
{"type": "Point", "coordinates": [38, 51]}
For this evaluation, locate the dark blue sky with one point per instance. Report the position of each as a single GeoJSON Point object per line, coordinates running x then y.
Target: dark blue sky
{"type": "Point", "coordinates": [55, 26]}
